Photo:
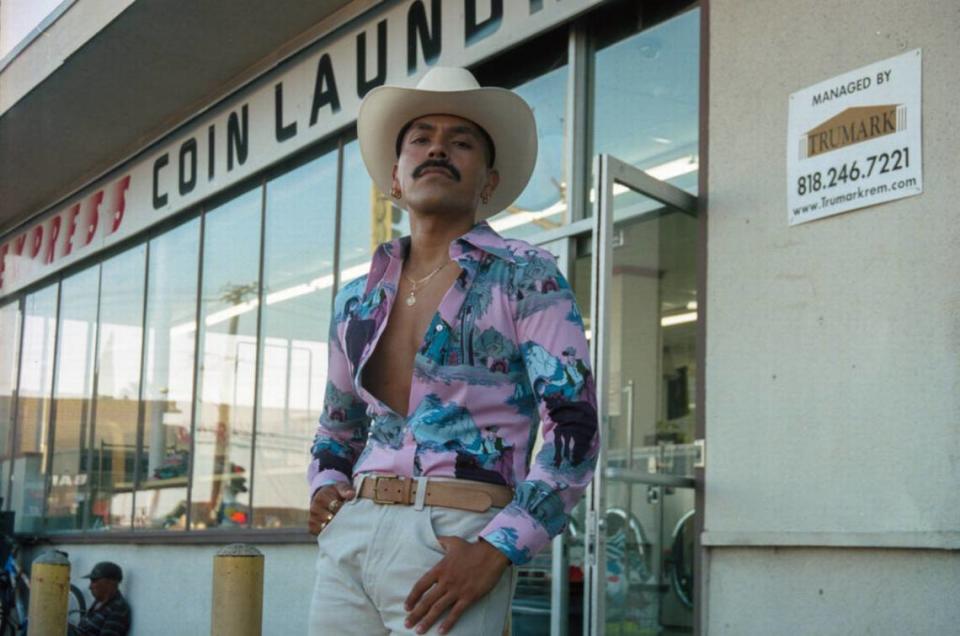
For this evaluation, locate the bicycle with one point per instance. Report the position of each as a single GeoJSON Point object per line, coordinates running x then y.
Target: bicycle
{"type": "Point", "coordinates": [15, 594]}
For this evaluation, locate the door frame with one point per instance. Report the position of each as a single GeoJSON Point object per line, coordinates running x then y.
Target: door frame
{"type": "Point", "coordinates": [608, 172]}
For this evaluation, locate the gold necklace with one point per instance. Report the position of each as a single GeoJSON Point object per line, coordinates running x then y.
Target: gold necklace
{"type": "Point", "coordinates": [415, 284]}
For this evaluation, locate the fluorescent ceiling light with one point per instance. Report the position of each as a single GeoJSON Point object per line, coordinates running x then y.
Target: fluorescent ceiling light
{"type": "Point", "coordinates": [675, 168]}
{"type": "Point", "coordinates": [523, 217]}
{"type": "Point", "coordinates": [230, 312]}
{"type": "Point", "coordinates": [678, 319]}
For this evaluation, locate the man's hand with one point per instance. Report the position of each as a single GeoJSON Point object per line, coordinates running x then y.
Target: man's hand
{"type": "Point", "coordinates": [465, 575]}
{"type": "Point", "coordinates": [325, 504]}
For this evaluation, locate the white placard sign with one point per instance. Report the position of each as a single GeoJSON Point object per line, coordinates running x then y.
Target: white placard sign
{"type": "Point", "coordinates": [854, 140]}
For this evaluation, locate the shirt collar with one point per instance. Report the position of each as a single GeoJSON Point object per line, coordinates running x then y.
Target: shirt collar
{"type": "Point", "coordinates": [481, 236]}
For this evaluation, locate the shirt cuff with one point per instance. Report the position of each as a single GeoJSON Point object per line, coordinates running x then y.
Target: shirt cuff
{"type": "Point", "coordinates": [516, 534]}
{"type": "Point", "coordinates": [325, 478]}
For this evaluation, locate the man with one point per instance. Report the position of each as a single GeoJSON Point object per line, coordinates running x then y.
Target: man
{"type": "Point", "coordinates": [441, 360]}
{"type": "Point", "coordinates": [110, 614]}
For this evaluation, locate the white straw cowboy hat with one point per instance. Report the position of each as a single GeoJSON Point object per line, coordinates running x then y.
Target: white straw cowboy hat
{"type": "Point", "coordinates": [503, 114]}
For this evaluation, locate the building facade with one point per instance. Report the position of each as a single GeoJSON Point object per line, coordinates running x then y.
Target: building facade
{"type": "Point", "coordinates": [182, 196]}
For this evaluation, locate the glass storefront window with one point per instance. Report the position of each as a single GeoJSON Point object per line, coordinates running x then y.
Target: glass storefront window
{"type": "Point", "coordinates": [73, 396]}
{"type": "Point", "coordinates": [161, 498]}
{"type": "Point", "coordinates": [116, 412]}
{"type": "Point", "coordinates": [367, 217]}
{"type": "Point", "coordinates": [33, 408]}
{"type": "Point", "coordinates": [9, 363]}
{"type": "Point", "coordinates": [646, 99]}
{"type": "Point", "coordinates": [297, 288]}
{"type": "Point", "coordinates": [543, 203]}
{"type": "Point", "coordinates": [223, 433]}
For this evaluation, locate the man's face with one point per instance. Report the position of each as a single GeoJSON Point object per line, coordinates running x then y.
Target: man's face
{"type": "Point", "coordinates": [102, 589]}
{"type": "Point", "coordinates": [442, 166]}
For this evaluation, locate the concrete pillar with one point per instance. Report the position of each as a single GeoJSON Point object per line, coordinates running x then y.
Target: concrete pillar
{"type": "Point", "coordinates": [49, 589]}
{"type": "Point", "coordinates": [237, 591]}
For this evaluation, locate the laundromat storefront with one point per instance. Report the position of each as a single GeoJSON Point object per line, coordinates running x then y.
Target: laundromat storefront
{"type": "Point", "coordinates": [163, 334]}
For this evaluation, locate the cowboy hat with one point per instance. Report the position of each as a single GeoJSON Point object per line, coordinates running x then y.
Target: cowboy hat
{"type": "Point", "coordinates": [503, 114]}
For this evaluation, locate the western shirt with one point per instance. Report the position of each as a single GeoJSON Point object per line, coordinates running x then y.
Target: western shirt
{"type": "Point", "coordinates": [505, 350]}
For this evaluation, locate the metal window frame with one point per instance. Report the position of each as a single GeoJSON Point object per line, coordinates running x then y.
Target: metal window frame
{"type": "Point", "coordinates": [700, 556]}
{"type": "Point", "coordinates": [141, 405]}
{"type": "Point", "coordinates": [337, 222]}
{"type": "Point", "coordinates": [577, 137]}
{"type": "Point", "coordinates": [198, 316]}
{"type": "Point", "coordinates": [258, 361]}
{"type": "Point", "coordinates": [608, 171]}
{"type": "Point", "coordinates": [14, 414]}
{"type": "Point", "coordinates": [46, 460]}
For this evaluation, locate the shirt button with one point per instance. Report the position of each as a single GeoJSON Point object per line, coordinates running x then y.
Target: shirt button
{"type": "Point", "coordinates": [439, 327]}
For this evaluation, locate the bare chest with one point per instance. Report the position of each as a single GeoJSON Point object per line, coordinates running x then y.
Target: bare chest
{"type": "Point", "coordinates": [388, 373]}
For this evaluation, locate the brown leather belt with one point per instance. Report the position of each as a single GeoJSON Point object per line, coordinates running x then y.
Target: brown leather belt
{"type": "Point", "coordinates": [475, 496]}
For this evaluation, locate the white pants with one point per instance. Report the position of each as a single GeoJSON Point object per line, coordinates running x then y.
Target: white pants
{"type": "Point", "coordinates": [370, 556]}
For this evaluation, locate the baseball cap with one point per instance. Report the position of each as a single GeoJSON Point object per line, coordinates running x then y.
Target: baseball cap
{"type": "Point", "coordinates": [105, 570]}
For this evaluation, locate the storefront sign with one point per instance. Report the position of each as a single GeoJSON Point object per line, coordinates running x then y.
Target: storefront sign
{"type": "Point", "coordinates": [303, 101]}
{"type": "Point", "coordinates": [854, 140]}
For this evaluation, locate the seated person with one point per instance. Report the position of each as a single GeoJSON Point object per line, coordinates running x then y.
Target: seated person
{"type": "Point", "coordinates": [110, 614]}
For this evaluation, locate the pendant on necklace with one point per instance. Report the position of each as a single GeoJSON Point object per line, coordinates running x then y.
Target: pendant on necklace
{"type": "Point", "coordinates": [411, 300]}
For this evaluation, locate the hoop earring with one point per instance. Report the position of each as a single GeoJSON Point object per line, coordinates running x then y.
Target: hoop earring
{"type": "Point", "coordinates": [395, 192]}
{"type": "Point", "coordinates": [485, 198]}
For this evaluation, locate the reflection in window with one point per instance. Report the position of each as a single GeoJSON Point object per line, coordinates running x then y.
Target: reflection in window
{"type": "Point", "coordinates": [542, 205]}
{"type": "Point", "coordinates": [33, 408]}
{"type": "Point", "coordinates": [298, 283]}
{"type": "Point", "coordinates": [73, 393]}
{"type": "Point", "coordinates": [228, 347]}
{"type": "Point", "coordinates": [367, 218]}
{"type": "Point", "coordinates": [646, 100]}
{"type": "Point", "coordinates": [161, 498]}
{"type": "Point", "coordinates": [9, 348]}
{"type": "Point", "coordinates": [118, 390]}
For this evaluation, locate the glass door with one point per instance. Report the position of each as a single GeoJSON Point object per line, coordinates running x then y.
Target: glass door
{"type": "Point", "coordinates": [643, 304]}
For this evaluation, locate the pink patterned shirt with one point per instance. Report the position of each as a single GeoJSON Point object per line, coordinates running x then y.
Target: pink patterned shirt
{"type": "Point", "coordinates": [505, 350]}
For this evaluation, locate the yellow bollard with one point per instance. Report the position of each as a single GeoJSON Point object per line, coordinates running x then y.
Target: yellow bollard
{"type": "Point", "coordinates": [49, 589]}
{"type": "Point", "coordinates": [237, 591]}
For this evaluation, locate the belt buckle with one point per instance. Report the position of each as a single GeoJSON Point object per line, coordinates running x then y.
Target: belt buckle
{"type": "Point", "coordinates": [376, 491]}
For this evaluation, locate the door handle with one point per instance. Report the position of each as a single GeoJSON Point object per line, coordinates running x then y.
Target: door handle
{"type": "Point", "coordinates": [653, 495]}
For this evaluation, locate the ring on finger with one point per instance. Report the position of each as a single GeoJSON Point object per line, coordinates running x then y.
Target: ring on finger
{"type": "Point", "coordinates": [334, 505]}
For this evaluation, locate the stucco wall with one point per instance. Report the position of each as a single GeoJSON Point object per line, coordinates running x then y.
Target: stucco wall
{"type": "Point", "coordinates": [833, 347]}
{"type": "Point", "coordinates": [804, 592]}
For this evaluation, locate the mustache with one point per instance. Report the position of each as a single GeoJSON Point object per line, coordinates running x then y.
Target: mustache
{"type": "Point", "coordinates": [436, 163]}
